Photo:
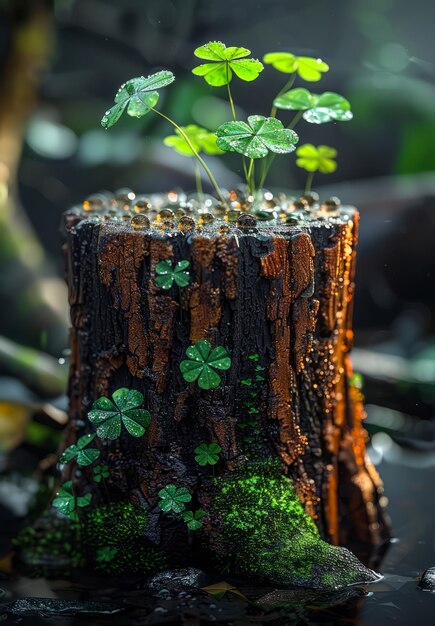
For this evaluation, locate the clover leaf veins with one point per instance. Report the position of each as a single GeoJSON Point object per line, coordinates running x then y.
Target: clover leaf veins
{"type": "Point", "coordinates": [223, 62]}
{"type": "Point", "coordinates": [138, 96]}
{"type": "Point", "coordinates": [207, 453]}
{"type": "Point", "coordinates": [66, 502]}
{"type": "Point", "coordinates": [258, 136]}
{"type": "Point", "coordinates": [167, 275]}
{"type": "Point", "coordinates": [201, 364]}
{"type": "Point", "coordinates": [109, 416]}
{"type": "Point", "coordinates": [85, 456]}
{"type": "Point", "coordinates": [318, 109]}
{"type": "Point", "coordinates": [173, 498]}
{"type": "Point", "coordinates": [193, 518]}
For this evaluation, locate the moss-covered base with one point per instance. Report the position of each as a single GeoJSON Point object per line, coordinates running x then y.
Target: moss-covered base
{"type": "Point", "coordinates": [267, 535]}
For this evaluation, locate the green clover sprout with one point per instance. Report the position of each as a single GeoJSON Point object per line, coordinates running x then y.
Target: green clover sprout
{"type": "Point", "coordinates": [257, 137]}
{"type": "Point", "coordinates": [66, 502]}
{"type": "Point", "coordinates": [193, 519]}
{"type": "Point", "coordinates": [138, 95]}
{"type": "Point", "coordinates": [167, 275]}
{"type": "Point", "coordinates": [201, 139]}
{"type": "Point", "coordinates": [201, 363]}
{"type": "Point", "coordinates": [318, 109]}
{"type": "Point", "coordinates": [173, 498]}
{"type": "Point", "coordinates": [207, 453]}
{"type": "Point", "coordinates": [99, 472]}
{"type": "Point", "coordinates": [85, 456]}
{"type": "Point", "coordinates": [308, 68]}
{"type": "Point", "coordinates": [316, 159]}
{"type": "Point", "coordinates": [223, 62]}
{"type": "Point", "coordinates": [109, 416]}
{"type": "Point", "coordinates": [106, 554]}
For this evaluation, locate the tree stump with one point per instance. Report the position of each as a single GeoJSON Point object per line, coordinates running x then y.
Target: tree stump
{"type": "Point", "coordinates": [275, 298]}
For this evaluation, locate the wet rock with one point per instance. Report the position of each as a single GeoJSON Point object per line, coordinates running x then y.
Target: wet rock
{"type": "Point", "coordinates": [178, 580]}
{"type": "Point", "coordinates": [427, 581]}
{"type": "Point", "coordinates": [52, 606]}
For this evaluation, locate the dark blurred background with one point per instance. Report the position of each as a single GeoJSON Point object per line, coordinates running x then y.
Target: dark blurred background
{"type": "Point", "coordinates": [61, 63]}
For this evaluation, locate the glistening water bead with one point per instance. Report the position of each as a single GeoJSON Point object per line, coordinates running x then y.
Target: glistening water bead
{"type": "Point", "coordinates": [140, 222]}
{"type": "Point", "coordinates": [186, 224]}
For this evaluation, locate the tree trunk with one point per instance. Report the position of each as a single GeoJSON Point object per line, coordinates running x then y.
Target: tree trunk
{"type": "Point", "coordinates": [280, 303]}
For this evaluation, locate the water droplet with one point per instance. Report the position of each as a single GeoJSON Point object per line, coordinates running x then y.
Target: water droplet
{"type": "Point", "coordinates": [124, 198]}
{"type": "Point", "coordinates": [233, 215]}
{"type": "Point", "coordinates": [165, 214]}
{"type": "Point", "coordinates": [140, 222]}
{"type": "Point", "coordinates": [247, 222]}
{"type": "Point", "coordinates": [205, 218]}
{"type": "Point", "coordinates": [186, 224]}
{"type": "Point", "coordinates": [95, 202]}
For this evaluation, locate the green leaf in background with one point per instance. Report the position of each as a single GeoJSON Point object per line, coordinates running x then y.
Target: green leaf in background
{"type": "Point", "coordinates": [257, 137]}
{"type": "Point", "coordinates": [223, 62]}
{"type": "Point", "coordinates": [66, 502]}
{"type": "Point", "coordinates": [203, 140]}
{"type": "Point", "coordinates": [326, 107]}
{"type": "Point", "coordinates": [99, 472]}
{"type": "Point", "coordinates": [84, 455]}
{"type": "Point", "coordinates": [137, 95]}
{"type": "Point", "coordinates": [201, 363]}
{"type": "Point", "coordinates": [316, 158]}
{"type": "Point", "coordinates": [106, 554]}
{"type": "Point", "coordinates": [109, 416]}
{"type": "Point", "coordinates": [167, 274]}
{"type": "Point", "coordinates": [173, 498]}
{"type": "Point", "coordinates": [308, 68]}
{"type": "Point", "coordinates": [193, 519]}
{"type": "Point", "coordinates": [207, 453]}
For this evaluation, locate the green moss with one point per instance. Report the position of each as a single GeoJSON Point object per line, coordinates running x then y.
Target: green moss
{"type": "Point", "coordinates": [117, 531]}
{"type": "Point", "coordinates": [270, 537]}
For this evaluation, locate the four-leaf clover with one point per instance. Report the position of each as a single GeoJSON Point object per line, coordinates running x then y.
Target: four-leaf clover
{"type": "Point", "coordinates": [203, 140]}
{"type": "Point", "coordinates": [167, 275]}
{"type": "Point", "coordinates": [193, 519]}
{"type": "Point", "coordinates": [173, 498]}
{"type": "Point", "coordinates": [201, 363]}
{"type": "Point", "coordinates": [207, 453]}
{"type": "Point", "coordinates": [99, 472]}
{"type": "Point", "coordinates": [308, 68]}
{"type": "Point", "coordinates": [316, 158]}
{"type": "Point", "coordinates": [66, 502]}
{"type": "Point", "coordinates": [85, 456]}
{"type": "Point", "coordinates": [326, 107]}
{"type": "Point", "coordinates": [223, 62]}
{"type": "Point", "coordinates": [138, 95]}
{"type": "Point", "coordinates": [109, 416]}
{"type": "Point", "coordinates": [257, 137]}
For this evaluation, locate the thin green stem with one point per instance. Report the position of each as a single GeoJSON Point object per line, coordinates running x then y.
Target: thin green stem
{"type": "Point", "coordinates": [249, 176]}
{"type": "Point", "coordinates": [295, 120]}
{"type": "Point", "coordinates": [198, 182]}
{"type": "Point", "coordinates": [200, 159]}
{"type": "Point", "coordinates": [309, 182]}
{"type": "Point", "coordinates": [287, 86]}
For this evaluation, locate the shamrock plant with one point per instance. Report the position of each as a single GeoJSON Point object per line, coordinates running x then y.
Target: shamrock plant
{"type": "Point", "coordinates": [66, 502]}
{"type": "Point", "coordinates": [99, 472]}
{"type": "Point", "coordinates": [109, 416]}
{"type": "Point", "coordinates": [316, 159]}
{"type": "Point", "coordinates": [207, 453]}
{"type": "Point", "coordinates": [193, 519]}
{"type": "Point", "coordinates": [202, 362]}
{"type": "Point", "coordinates": [84, 456]}
{"type": "Point", "coordinates": [167, 275]}
{"type": "Point", "coordinates": [259, 137]}
{"type": "Point", "coordinates": [173, 498]}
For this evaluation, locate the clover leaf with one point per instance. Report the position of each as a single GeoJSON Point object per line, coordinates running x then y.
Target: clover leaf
{"type": "Point", "coordinates": [99, 472]}
{"type": "Point", "coordinates": [308, 68]}
{"type": "Point", "coordinates": [201, 363]}
{"type": "Point", "coordinates": [223, 62]}
{"type": "Point", "coordinates": [109, 416]}
{"type": "Point", "coordinates": [138, 96]}
{"type": "Point", "coordinates": [316, 158]}
{"type": "Point", "coordinates": [203, 140]}
{"type": "Point", "coordinates": [85, 456]}
{"type": "Point", "coordinates": [66, 502]}
{"type": "Point", "coordinates": [173, 498]}
{"type": "Point", "coordinates": [326, 107]}
{"type": "Point", "coordinates": [167, 275]}
{"type": "Point", "coordinates": [106, 554]}
{"type": "Point", "coordinates": [193, 519]}
{"type": "Point", "coordinates": [207, 453]}
{"type": "Point", "coordinates": [257, 137]}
